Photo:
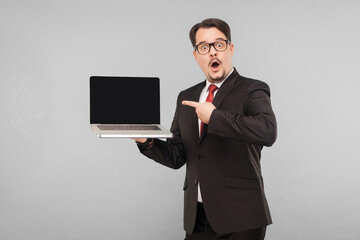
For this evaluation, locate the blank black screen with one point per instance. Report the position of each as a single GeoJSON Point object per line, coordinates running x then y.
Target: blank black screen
{"type": "Point", "coordinates": [124, 100]}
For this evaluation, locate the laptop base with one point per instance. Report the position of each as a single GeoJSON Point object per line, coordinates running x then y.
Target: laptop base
{"type": "Point", "coordinates": [162, 133]}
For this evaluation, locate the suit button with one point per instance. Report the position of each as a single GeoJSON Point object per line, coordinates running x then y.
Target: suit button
{"type": "Point", "coordinates": [200, 156]}
{"type": "Point", "coordinates": [196, 182]}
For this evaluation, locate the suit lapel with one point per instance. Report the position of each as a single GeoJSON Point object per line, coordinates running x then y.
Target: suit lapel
{"type": "Point", "coordinates": [194, 119]}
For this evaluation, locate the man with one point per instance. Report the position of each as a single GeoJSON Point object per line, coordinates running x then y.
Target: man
{"type": "Point", "coordinates": [220, 126]}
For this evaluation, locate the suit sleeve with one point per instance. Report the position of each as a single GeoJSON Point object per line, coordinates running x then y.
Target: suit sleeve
{"type": "Point", "coordinates": [257, 125]}
{"type": "Point", "coordinates": [169, 153]}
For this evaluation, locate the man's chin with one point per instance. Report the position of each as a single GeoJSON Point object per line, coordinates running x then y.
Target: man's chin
{"type": "Point", "coordinates": [216, 77]}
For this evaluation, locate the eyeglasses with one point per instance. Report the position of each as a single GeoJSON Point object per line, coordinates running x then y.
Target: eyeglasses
{"type": "Point", "coordinates": [204, 48]}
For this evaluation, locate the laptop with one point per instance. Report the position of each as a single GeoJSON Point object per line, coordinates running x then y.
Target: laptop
{"type": "Point", "coordinates": [126, 107]}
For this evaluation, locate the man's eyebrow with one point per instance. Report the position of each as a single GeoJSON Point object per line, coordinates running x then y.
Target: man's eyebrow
{"type": "Point", "coordinates": [207, 42]}
{"type": "Point", "coordinates": [201, 42]}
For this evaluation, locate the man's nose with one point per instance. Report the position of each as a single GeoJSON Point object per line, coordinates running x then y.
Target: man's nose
{"type": "Point", "coordinates": [213, 51]}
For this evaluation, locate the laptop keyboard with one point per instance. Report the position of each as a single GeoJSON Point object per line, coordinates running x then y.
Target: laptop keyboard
{"type": "Point", "coordinates": [128, 127]}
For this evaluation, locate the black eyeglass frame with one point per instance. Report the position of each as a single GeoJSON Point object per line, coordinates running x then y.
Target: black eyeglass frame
{"type": "Point", "coordinates": [211, 44]}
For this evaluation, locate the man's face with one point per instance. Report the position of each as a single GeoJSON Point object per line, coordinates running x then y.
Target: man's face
{"type": "Point", "coordinates": [216, 65]}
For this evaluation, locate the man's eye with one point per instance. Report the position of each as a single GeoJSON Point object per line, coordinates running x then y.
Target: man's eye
{"type": "Point", "coordinates": [204, 47]}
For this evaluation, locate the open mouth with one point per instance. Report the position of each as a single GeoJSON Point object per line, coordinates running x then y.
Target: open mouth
{"type": "Point", "coordinates": [215, 65]}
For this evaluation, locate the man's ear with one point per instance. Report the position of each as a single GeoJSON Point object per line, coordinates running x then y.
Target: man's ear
{"type": "Point", "coordinates": [194, 54]}
{"type": "Point", "coordinates": [232, 49]}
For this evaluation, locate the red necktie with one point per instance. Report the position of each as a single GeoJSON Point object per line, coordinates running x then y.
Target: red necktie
{"type": "Point", "coordinates": [210, 97]}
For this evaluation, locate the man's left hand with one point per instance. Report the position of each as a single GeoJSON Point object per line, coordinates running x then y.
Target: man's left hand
{"type": "Point", "coordinates": [203, 110]}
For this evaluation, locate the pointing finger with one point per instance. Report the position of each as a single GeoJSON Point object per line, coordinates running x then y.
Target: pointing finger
{"type": "Point", "coordinates": [190, 103]}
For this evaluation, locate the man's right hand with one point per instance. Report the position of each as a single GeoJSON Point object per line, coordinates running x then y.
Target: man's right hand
{"type": "Point", "coordinates": [140, 140]}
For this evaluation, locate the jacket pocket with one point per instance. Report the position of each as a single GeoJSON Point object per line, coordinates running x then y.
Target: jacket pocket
{"type": "Point", "coordinates": [244, 183]}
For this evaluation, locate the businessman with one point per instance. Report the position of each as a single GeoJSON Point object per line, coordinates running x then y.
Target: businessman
{"type": "Point", "coordinates": [220, 127]}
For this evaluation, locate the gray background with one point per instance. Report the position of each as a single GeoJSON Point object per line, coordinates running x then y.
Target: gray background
{"type": "Point", "coordinates": [59, 181]}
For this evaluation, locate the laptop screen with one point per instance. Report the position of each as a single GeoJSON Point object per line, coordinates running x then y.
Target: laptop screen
{"type": "Point", "coordinates": [124, 100]}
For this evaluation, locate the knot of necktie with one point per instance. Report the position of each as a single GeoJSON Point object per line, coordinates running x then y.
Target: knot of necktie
{"type": "Point", "coordinates": [212, 88]}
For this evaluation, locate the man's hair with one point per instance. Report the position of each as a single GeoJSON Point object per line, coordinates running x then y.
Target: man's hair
{"type": "Point", "coordinates": [209, 23]}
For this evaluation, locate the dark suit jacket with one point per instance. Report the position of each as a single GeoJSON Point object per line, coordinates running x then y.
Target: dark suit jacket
{"type": "Point", "coordinates": [225, 159]}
